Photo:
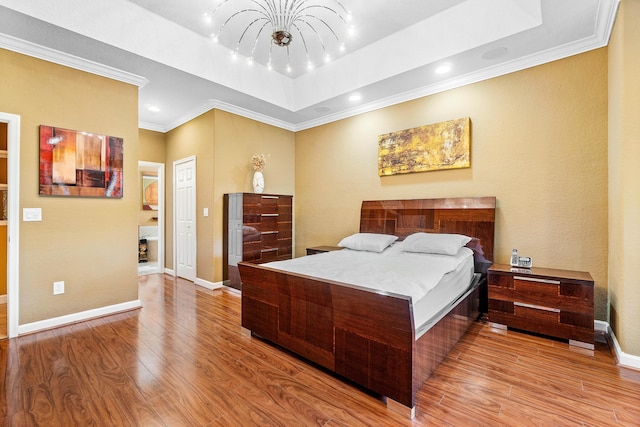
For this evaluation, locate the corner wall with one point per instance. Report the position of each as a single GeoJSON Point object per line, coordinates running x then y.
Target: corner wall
{"type": "Point", "coordinates": [237, 139]}
{"type": "Point", "coordinates": [194, 138]}
{"type": "Point", "coordinates": [223, 144]}
{"type": "Point", "coordinates": [624, 177]}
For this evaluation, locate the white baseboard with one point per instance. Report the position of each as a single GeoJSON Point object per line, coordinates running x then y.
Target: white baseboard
{"type": "Point", "coordinates": [200, 282]}
{"type": "Point", "coordinates": [3, 299]}
{"type": "Point", "coordinates": [77, 317]}
{"type": "Point", "coordinates": [209, 285]}
{"type": "Point", "coordinates": [624, 359]}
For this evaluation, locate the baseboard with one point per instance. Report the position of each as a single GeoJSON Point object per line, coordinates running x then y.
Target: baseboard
{"type": "Point", "coordinates": [3, 299]}
{"type": "Point", "coordinates": [77, 317]}
{"type": "Point", "coordinates": [200, 282]}
{"type": "Point", "coordinates": [624, 359]}
{"type": "Point", "coordinates": [209, 285]}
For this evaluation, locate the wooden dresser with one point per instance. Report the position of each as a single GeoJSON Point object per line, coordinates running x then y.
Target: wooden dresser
{"type": "Point", "coordinates": [257, 228]}
{"type": "Point", "coordinates": [557, 303]}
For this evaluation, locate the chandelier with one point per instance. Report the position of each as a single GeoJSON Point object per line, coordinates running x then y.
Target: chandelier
{"type": "Point", "coordinates": [277, 33]}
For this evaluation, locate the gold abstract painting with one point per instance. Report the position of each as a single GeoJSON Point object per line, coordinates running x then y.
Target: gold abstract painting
{"type": "Point", "coordinates": [444, 145]}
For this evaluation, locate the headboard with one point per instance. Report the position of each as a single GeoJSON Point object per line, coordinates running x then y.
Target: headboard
{"type": "Point", "coordinates": [471, 216]}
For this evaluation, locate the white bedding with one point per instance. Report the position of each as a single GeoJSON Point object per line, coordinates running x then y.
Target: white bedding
{"type": "Point", "coordinates": [404, 273]}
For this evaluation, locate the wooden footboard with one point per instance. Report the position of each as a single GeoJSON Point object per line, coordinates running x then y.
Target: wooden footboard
{"type": "Point", "coordinates": [361, 334]}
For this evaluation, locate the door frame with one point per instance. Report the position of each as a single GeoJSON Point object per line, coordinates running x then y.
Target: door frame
{"type": "Point", "coordinates": [13, 222]}
{"type": "Point", "coordinates": [175, 217]}
{"type": "Point", "coordinates": [159, 168]}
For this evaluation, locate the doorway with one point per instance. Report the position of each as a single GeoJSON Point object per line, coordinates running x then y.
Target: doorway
{"type": "Point", "coordinates": [10, 193]}
{"type": "Point", "coordinates": [151, 218]}
{"type": "Point", "coordinates": [184, 214]}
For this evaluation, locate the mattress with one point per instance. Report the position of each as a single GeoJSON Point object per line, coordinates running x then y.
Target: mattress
{"type": "Point", "coordinates": [434, 282]}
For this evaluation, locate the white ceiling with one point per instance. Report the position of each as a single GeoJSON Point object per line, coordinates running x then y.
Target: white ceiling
{"type": "Point", "coordinates": [165, 47]}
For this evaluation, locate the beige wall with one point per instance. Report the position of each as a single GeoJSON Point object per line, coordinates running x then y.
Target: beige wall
{"type": "Point", "coordinates": [624, 177]}
{"type": "Point", "coordinates": [539, 144]}
{"type": "Point", "coordinates": [223, 144]}
{"type": "Point", "coordinates": [194, 138]}
{"type": "Point", "coordinates": [89, 243]}
{"type": "Point", "coordinates": [236, 140]}
{"type": "Point", "coordinates": [152, 148]}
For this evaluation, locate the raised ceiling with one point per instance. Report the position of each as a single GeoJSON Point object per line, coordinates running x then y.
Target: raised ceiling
{"type": "Point", "coordinates": [165, 47]}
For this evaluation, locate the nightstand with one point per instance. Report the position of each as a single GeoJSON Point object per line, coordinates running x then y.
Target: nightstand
{"type": "Point", "coordinates": [557, 303]}
{"type": "Point", "coordinates": [321, 249]}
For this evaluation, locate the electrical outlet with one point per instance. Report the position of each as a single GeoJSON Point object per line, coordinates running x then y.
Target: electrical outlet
{"type": "Point", "coordinates": [58, 288]}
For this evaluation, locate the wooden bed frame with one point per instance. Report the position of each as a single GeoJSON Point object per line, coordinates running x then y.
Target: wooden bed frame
{"type": "Point", "coordinates": [361, 334]}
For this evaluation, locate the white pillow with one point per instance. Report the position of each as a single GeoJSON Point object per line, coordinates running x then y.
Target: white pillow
{"type": "Point", "coordinates": [367, 242]}
{"type": "Point", "coordinates": [434, 243]}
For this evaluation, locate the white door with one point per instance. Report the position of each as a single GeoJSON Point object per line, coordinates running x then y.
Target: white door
{"type": "Point", "coordinates": [184, 173]}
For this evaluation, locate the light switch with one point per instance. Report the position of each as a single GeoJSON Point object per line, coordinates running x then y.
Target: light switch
{"type": "Point", "coordinates": [206, 211]}
{"type": "Point", "coordinates": [32, 214]}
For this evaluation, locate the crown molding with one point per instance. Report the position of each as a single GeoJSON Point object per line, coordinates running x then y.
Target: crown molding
{"type": "Point", "coordinates": [212, 104]}
{"type": "Point", "coordinates": [540, 58]}
{"type": "Point", "coordinates": [230, 108]}
{"type": "Point", "coordinates": [152, 126]}
{"type": "Point", "coordinates": [51, 55]}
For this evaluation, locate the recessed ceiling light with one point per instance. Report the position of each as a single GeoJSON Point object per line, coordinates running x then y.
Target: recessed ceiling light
{"type": "Point", "coordinates": [444, 68]}
{"type": "Point", "coordinates": [153, 108]}
{"type": "Point", "coordinates": [355, 97]}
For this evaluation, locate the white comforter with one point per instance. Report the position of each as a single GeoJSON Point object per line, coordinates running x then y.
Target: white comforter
{"type": "Point", "coordinates": [393, 270]}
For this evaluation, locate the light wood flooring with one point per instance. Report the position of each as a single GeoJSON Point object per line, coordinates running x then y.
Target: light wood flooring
{"type": "Point", "coordinates": [183, 360]}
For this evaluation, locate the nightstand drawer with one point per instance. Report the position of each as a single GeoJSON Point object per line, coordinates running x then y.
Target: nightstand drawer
{"type": "Point", "coordinates": [557, 303]}
{"type": "Point", "coordinates": [537, 313]}
{"type": "Point", "coordinates": [535, 291]}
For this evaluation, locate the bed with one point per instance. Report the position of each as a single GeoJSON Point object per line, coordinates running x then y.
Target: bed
{"type": "Point", "coordinates": [366, 335]}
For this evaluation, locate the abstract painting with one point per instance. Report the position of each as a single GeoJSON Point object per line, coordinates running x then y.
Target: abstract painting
{"type": "Point", "coordinates": [444, 145]}
{"type": "Point", "coordinates": [83, 164]}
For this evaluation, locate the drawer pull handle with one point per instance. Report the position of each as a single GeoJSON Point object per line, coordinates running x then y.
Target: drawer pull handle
{"type": "Point", "coordinates": [533, 279]}
{"type": "Point", "coordinates": [269, 197]}
{"type": "Point", "coordinates": [269, 232]}
{"type": "Point", "coordinates": [268, 214]}
{"type": "Point", "coordinates": [537, 307]}
{"type": "Point", "coordinates": [269, 250]}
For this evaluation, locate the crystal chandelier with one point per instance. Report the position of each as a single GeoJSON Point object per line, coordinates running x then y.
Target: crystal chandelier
{"type": "Point", "coordinates": [265, 30]}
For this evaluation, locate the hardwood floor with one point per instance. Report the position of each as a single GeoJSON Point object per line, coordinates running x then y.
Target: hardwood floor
{"type": "Point", "coordinates": [183, 360]}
